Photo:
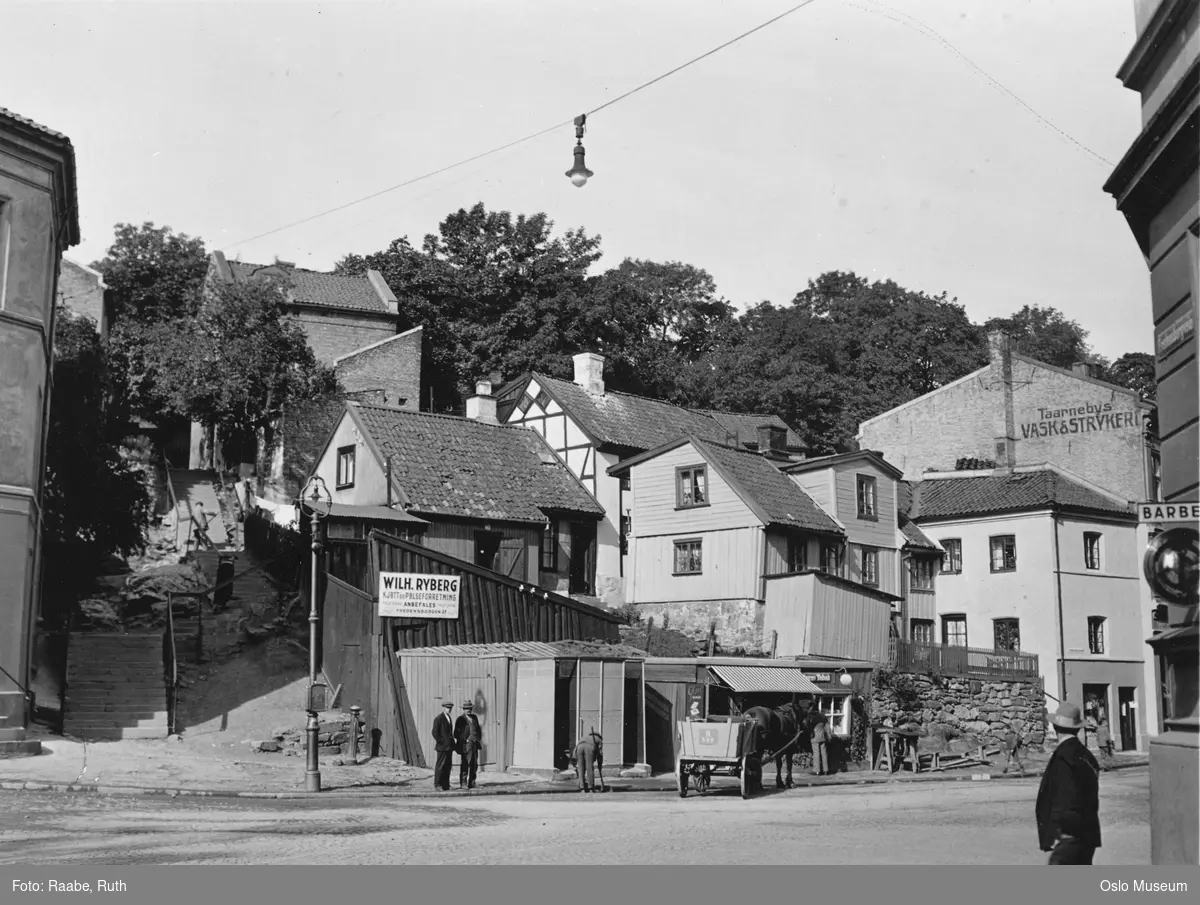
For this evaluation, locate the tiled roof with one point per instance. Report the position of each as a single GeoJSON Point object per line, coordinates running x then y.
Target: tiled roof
{"type": "Point", "coordinates": [746, 426]}
{"type": "Point", "coordinates": [26, 121]}
{"type": "Point", "coordinates": [773, 492]}
{"type": "Point", "coordinates": [915, 537]}
{"type": "Point", "coordinates": [949, 497]}
{"type": "Point", "coordinates": [462, 467]}
{"type": "Point", "coordinates": [310, 287]}
{"type": "Point", "coordinates": [533, 650]}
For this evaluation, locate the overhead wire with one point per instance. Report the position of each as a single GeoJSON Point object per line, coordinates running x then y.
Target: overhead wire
{"type": "Point", "coordinates": [519, 141]}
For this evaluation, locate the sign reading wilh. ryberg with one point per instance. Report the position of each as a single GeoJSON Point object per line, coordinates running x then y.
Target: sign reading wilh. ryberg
{"type": "Point", "coordinates": [1079, 419]}
{"type": "Point", "coordinates": [408, 595]}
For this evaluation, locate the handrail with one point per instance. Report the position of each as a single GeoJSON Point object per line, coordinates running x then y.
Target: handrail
{"type": "Point", "coordinates": [174, 661]}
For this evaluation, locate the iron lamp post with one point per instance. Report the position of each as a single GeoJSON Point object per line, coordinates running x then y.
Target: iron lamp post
{"type": "Point", "coordinates": [319, 498]}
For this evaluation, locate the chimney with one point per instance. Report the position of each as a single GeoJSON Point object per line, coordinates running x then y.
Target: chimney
{"type": "Point", "coordinates": [482, 406]}
{"type": "Point", "coordinates": [1084, 368]}
{"type": "Point", "coordinates": [772, 439]}
{"type": "Point", "coordinates": [589, 372]}
{"type": "Point", "coordinates": [286, 265]}
{"type": "Point", "coordinates": [1004, 423]}
{"type": "Point", "coordinates": [379, 284]}
{"type": "Point", "coordinates": [999, 348]}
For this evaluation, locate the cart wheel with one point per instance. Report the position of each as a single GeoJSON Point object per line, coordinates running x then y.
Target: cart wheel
{"type": "Point", "coordinates": [681, 779]}
{"type": "Point", "coordinates": [747, 778]}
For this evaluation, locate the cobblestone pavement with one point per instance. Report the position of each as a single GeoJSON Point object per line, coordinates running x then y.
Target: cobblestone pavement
{"type": "Point", "coordinates": [940, 823]}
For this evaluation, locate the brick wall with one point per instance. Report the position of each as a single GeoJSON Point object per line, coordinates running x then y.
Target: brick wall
{"type": "Point", "coordinates": [739, 622]}
{"type": "Point", "coordinates": [393, 367]}
{"type": "Point", "coordinates": [303, 433]}
{"type": "Point", "coordinates": [334, 334]}
{"type": "Point", "coordinates": [80, 292]}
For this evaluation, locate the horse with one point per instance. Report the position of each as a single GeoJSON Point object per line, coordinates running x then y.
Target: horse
{"type": "Point", "coordinates": [772, 731]}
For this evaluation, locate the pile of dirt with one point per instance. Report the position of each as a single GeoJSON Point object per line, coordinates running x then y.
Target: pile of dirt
{"type": "Point", "coordinates": [137, 601]}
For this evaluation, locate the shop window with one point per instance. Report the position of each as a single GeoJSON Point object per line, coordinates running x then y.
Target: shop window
{"type": "Point", "coordinates": [952, 561]}
{"type": "Point", "coordinates": [954, 630]}
{"type": "Point", "coordinates": [797, 554]}
{"type": "Point", "coordinates": [1004, 553]}
{"type": "Point", "coordinates": [921, 631]}
{"type": "Point", "coordinates": [1006, 634]}
{"type": "Point", "coordinates": [837, 710]}
{"type": "Point", "coordinates": [921, 572]}
{"type": "Point", "coordinates": [870, 567]}
{"type": "Point", "coordinates": [691, 487]}
{"type": "Point", "coordinates": [688, 557]}
{"type": "Point", "coordinates": [1091, 550]}
{"type": "Point", "coordinates": [866, 497]}
{"type": "Point", "coordinates": [550, 547]}
{"type": "Point", "coordinates": [1096, 634]}
{"type": "Point", "coordinates": [345, 467]}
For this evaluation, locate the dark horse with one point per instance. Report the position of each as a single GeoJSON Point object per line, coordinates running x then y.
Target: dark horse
{"type": "Point", "coordinates": [773, 731]}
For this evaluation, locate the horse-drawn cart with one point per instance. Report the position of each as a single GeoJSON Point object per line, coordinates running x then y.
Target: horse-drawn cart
{"type": "Point", "coordinates": [715, 747]}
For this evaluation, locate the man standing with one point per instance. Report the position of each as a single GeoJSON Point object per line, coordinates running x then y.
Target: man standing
{"type": "Point", "coordinates": [589, 756]}
{"type": "Point", "coordinates": [443, 744]}
{"type": "Point", "coordinates": [1068, 802]}
{"type": "Point", "coordinates": [467, 736]}
{"type": "Point", "coordinates": [819, 733]}
{"type": "Point", "coordinates": [1012, 749]}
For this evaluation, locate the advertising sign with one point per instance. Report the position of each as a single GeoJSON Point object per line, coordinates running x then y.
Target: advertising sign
{"type": "Point", "coordinates": [409, 595]}
{"type": "Point", "coordinates": [1163, 513]}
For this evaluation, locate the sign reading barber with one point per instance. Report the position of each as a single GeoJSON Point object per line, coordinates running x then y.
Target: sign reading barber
{"type": "Point", "coordinates": [408, 595]}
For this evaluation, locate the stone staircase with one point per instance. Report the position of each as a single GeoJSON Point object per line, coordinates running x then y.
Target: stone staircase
{"type": "Point", "coordinates": [115, 686]}
{"type": "Point", "coordinates": [192, 488]}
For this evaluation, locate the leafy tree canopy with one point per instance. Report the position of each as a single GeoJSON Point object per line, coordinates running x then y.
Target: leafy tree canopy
{"type": "Point", "coordinates": [1044, 333]}
{"type": "Point", "coordinates": [1135, 371]}
{"type": "Point", "coordinates": [154, 274]}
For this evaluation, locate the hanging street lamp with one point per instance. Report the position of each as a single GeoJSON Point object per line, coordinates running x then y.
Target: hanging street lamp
{"type": "Point", "coordinates": [579, 173]}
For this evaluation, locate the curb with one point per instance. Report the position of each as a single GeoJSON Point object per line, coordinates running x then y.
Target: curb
{"type": "Point", "coordinates": [566, 788]}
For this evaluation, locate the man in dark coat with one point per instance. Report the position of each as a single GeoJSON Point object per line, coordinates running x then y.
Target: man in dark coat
{"type": "Point", "coordinates": [467, 737]}
{"type": "Point", "coordinates": [589, 758]}
{"type": "Point", "coordinates": [1068, 802]}
{"type": "Point", "coordinates": [443, 744]}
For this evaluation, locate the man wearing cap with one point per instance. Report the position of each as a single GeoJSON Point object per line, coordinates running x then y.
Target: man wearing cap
{"type": "Point", "coordinates": [443, 744]}
{"type": "Point", "coordinates": [589, 760]}
{"type": "Point", "coordinates": [1068, 802]}
{"type": "Point", "coordinates": [467, 736]}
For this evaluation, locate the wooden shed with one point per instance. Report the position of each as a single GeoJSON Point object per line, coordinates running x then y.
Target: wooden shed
{"type": "Point", "coordinates": [360, 649]}
{"type": "Point", "coordinates": [534, 699]}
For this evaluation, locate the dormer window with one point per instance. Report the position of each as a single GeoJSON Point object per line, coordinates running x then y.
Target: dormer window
{"type": "Point", "coordinates": [866, 497]}
{"type": "Point", "coordinates": [691, 487]}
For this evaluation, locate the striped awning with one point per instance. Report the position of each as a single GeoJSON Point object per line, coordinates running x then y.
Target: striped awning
{"type": "Point", "coordinates": [765, 678]}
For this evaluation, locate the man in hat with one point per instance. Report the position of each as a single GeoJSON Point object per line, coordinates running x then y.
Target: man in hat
{"type": "Point", "coordinates": [467, 736]}
{"type": "Point", "coordinates": [1012, 749]}
{"type": "Point", "coordinates": [589, 758]}
{"type": "Point", "coordinates": [1068, 802]}
{"type": "Point", "coordinates": [443, 744]}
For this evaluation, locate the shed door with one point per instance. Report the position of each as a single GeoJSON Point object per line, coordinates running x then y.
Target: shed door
{"type": "Point", "coordinates": [481, 692]}
{"type": "Point", "coordinates": [602, 706]}
{"type": "Point", "coordinates": [511, 559]}
{"type": "Point", "coordinates": [589, 687]}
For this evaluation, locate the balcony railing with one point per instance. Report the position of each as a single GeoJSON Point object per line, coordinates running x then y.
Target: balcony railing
{"type": "Point", "coordinates": [972, 662]}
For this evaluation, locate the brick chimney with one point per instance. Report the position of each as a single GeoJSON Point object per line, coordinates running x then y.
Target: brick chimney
{"type": "Point", "coordinates": [589, 372]}
{"type": "Point", "coordinates": [482, 406]}
{"type": "Point", "coordinates": [1004, 425]}
{"type": "Point", "coordinates": [772, 439]}
{"type": "Point", "coordinates": [1084, 368]}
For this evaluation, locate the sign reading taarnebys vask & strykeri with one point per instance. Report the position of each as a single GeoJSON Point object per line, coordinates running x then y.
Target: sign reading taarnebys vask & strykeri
{"type": "Point", "coordinates": [1080, 419]}
{"type": "Point", "coordinates": [409, 595]}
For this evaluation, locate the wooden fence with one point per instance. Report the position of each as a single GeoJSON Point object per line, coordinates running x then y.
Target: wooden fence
{"type": "Point", "coordinates": [973, 662]}
{"type": "Point", "coordinates": [284, 551]}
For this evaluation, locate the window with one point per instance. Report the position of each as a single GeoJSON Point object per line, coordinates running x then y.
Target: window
{"type": "Point", "coordinates": [837, 710]}
{"type": "Point", "coordinates": [870, 567]}
{"type": "Point", "coordinates": [524, 404]}
{"type": "Point", "coordinates": [626, 483]}
{"type": "Point", "coordinates": [952, 561]}
{"type": "Point", "coordinates": [1091, 550]}
{"type": "Point", "coordinates": [921, 631]}
{"type": "Point", "coordinates": [691, 487]}
{"type": "Point", "coordinates": [345, 466]}
{"type": "Point", "coordinates": [1006, 634]}
{"type": "Point", "coordinates": [921, 571]}
{"type": "Point", "coordinates": [1096, 634]}
{"type": "Point", "coordinates": [831, 557]}
{"type": "Point", "coordinates": [954, 630]}
{"type": "Point", "coordinates": [797, 554]}
{"type": "Point", "coordinates": [866, 497]}
{"type": "Point", "coordinates": [543, 400]}
{"type": "Point", "coordinates": [1155, 477]}
{"type": "Point", "coordinates": [687, 557]}
{"type": "Point", "coordinates": [550, 547]}
{"type": "Point", "coordinates": [1004, 553]}
{"type": "Point", "coordinates": [626, 530]}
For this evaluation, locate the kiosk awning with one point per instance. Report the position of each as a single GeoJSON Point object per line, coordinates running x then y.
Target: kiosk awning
{"type": "Point", "coordinates": [746, 679]}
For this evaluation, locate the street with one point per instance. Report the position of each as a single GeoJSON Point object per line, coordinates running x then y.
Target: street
{"type": "Point", "coordinates": [912, 823]}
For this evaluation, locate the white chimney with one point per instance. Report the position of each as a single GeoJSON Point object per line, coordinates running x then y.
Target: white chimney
{"type": "Point", "coordinates": [482, 406]}
{"type": "Point", "coordinates": [589, 372]}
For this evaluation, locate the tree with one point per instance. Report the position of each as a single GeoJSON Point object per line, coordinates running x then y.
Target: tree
{"type": "Point", "coordinates": [236, 366]}
{"type": "Point", "coordinates": [1134, 371]}
{"type": "Point", "coordinates": [96, 502]}
{"type": "Point", "coordinates": [1045, 334]}
{"type": "Point", "coordinates": [154, 274]}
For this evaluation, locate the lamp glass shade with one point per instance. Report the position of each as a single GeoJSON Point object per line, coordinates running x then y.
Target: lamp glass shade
{"type": "Point", "coordinates": [579, 173]}
{"type": "Point", "coordinates": [845, 679]}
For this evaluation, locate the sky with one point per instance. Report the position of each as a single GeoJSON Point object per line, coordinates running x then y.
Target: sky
{"type": "Point", "coordinates": [844, 136]}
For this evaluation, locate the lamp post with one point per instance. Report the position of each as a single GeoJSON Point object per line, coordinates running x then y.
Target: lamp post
{"type": "Point", "coordinates": [318, 498]}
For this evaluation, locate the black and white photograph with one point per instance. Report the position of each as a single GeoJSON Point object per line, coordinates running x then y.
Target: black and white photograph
{"type": "Point", "coordinates": [673, 434]}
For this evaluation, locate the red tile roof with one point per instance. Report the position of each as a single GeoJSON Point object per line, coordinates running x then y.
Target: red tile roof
{"type": "Point", "coordinates": [950, 497]}
{"type": "Point", "coordinates": [461, 467]}
{"type": "Point", "coordinates": [328, 290]}
{"type": "Point", "coordinates": [915, 537]}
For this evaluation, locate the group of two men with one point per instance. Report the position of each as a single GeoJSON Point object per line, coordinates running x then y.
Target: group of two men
{"type": "Point", "coordinates": [462, 736]}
